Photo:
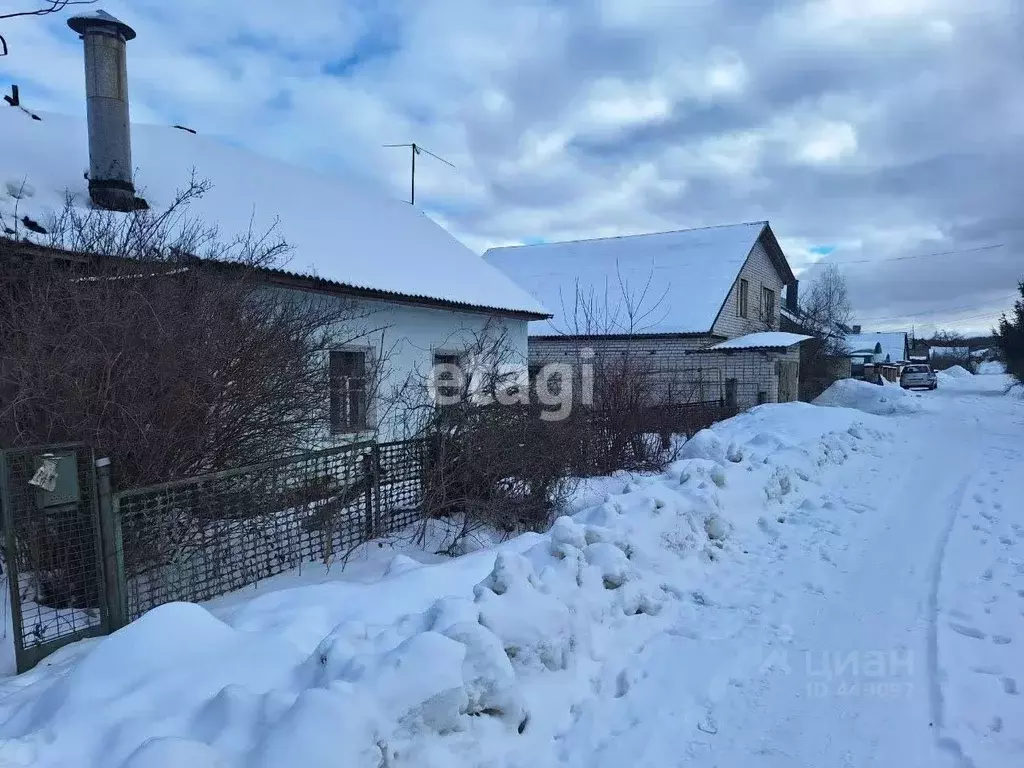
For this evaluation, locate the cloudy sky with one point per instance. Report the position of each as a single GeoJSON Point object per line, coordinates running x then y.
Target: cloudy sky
{"type": "Point", "coordinates": [884, 135]}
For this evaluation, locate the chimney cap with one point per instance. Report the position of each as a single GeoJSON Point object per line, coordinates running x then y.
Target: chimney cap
{"type": "Point", "coordinates": [100, 19]}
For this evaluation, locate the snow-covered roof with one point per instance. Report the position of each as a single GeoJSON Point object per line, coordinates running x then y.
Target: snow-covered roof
{"type": "Point", "coordinates": [763, 340]}
{"type": "Point", "coordinates": [683, 276]}
{"type": "Point", "coordinates": [353, 237]}
{"type": "Point", "coordinates": [893, 344]}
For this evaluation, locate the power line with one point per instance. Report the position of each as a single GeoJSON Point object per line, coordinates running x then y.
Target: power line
{"type": "Point", "coordinates": [1009, 297]}
{"type": "Point", "coordinates": [915, 256]}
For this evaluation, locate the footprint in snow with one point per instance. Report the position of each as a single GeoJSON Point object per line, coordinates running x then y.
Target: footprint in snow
{"type": "Point", "coordinates": [996, 671]}
{"type": "Point", "coordinates": [1002, 639]}
{"type": "Point", "coordinates": [966, 631]}
{"type": "Point", "coordinates": [1010, 686]}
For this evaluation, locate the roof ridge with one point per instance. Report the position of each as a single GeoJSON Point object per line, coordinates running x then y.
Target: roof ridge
{"type": "Point", "coordinates": [763, 222]}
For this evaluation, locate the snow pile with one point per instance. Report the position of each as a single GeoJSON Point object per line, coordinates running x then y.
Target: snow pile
{"type": "Point", "coordinates": [957, 372]}
{"type": "Point", "coordinates": [465, 661]}
{"type": "Point", "coordinates": [991, 368]}
{"type": "Point", "coordinates": [886, 400]}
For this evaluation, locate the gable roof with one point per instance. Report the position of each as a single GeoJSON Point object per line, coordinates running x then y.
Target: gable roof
{"type": "Point", "coordinates": [893, 344]}
{"type": "Point", "coordinates": [342, 235]}
{"type": "Point", "coordinates": [683, 277]}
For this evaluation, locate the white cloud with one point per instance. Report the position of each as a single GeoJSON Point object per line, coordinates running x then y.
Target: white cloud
{"type": "Point", "coordinates": [855, 123]}
{"type": "Point", "coordinates": [827, 142]}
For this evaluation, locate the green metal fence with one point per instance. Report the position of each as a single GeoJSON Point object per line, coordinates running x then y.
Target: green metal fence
{"type": "Point", "coordinates": [82, 561]}
{"type": "Point", "coordinates": [199, 538]}
{"type": "Point", "coordinates": [52, 549]}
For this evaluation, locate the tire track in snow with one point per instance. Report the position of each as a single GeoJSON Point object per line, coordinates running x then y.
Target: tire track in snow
{"type": "Point", "coordinates": [935, 696]}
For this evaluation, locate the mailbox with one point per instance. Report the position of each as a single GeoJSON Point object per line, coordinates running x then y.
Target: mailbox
{"type": "Point", "coordinates": [56, 480]}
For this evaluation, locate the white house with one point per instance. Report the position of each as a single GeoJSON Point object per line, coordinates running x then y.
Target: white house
{"type": "Point", "coordinates": [703, 303]}
{"type": "Point", "coordinates": [427, 292]}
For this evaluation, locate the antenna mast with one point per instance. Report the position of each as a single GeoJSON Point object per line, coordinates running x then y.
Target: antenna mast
{"type": "Point", "coordinates": [417, 149]}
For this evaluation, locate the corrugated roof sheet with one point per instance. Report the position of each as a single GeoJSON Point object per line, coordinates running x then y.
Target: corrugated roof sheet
{"type": "Point", "coordinates": [682, 277]}
{"type": "Point", "coordinates": [763, 340]}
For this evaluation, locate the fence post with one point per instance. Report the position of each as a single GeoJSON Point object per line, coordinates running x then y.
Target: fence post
{"type": "Point", "coordinates": [369, 462]}
{"type": "Point", "coordinates": [108, 547]}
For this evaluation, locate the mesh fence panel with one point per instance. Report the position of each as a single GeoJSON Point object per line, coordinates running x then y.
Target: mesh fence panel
{"type": "Point", "coordinates": [52, 550]}
{"type": "Point", "coordinates": [400, 485]}
{"type": "Point", "coordinates": [203, 537]}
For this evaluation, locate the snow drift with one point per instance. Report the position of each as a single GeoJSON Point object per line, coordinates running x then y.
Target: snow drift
{"type": "Point", "coordinates": [885, 400]}
{"type": "Point", "coordinates": [490, 650]}
{"type": "Point", "coordinates": [991, 368]}
{"type": "Point", "coordinates": [957, 372]}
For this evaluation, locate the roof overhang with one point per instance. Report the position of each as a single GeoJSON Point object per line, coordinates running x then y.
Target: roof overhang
{"type": "Point", "coordinates": [284, 279]}
{"type": "Point", "coordinates": [776, 254]}
{"type": "Point", "coordinates": [624, 336]}
{"type": "Point", "coordinates": [763, 341]}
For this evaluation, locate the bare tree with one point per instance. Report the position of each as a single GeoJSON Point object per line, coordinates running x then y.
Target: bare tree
{"type": "Point", "coordinates": [46, 8]}
{"type": "Point", "coordinates": [825, 313]}
{"type": "Point", "coordinates": [949, 348]}
{"type": "Point", "coordinates": [825, 309]}
{"type": "Point", "coordinates": [637, 401]}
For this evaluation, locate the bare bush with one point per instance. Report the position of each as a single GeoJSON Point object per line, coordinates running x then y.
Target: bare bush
{"type": "Point", "coordinates": [625, 416]}
{"type": "Point", "coordinates": [491, 462]}
{"type": "Point", "coordinates": [148, 337]}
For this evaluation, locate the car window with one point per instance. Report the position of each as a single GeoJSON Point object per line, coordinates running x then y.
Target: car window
{"type": "Point", "coordinates": [916, 369]}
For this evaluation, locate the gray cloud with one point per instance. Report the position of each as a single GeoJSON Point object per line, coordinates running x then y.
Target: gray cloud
{"type": "Point", "coordinates": [882, 128]}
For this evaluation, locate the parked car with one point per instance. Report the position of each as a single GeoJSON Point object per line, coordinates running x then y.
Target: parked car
{"type": "Point", "coordinates": [918, 377]}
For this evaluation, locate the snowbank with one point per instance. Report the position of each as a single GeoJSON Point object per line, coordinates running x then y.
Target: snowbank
{"type": "Point", "coordinates": [453, 663]}
{"type": "Point", "coordinates": [957, 372]}
{"type": "Point", "coordinates": [887, 400]}
{"type": "Point", "coordinates": [991, 368]}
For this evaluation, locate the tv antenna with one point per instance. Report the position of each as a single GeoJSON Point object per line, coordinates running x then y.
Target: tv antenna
{"type": "Point", "coordinates": [417, 149]}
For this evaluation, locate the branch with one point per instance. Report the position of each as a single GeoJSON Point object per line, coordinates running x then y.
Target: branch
{"type": "Point", "coordinates": [52, 6]}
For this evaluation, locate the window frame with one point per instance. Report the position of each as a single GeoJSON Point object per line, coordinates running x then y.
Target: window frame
{"type": "Point", "coordinates": [768, 308]}
{"type": "Point", "coordinates": [340, 393]}
{"type": "Point", "coordinates": [449, 357]}
{"type": "Point", "coordinates": [743, 298]}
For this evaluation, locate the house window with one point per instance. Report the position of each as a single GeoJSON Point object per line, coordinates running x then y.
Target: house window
{"type": "Point", "coordinates": [768, 306]}
{"type": "Point", "coordinates": [449, 378]}
{"type": "Point", "coordinates": [348, 391]}
{"type": "Point", "coordinates": [744, 297]}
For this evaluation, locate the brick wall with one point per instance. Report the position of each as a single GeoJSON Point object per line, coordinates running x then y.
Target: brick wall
{"type": "Point", "coordinates": [759, 272]}
{"type": "Point", "coordinates": [683, 373]}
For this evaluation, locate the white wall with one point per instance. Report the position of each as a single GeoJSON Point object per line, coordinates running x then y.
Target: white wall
{"type": "Point", "coordinates": [404, 338]}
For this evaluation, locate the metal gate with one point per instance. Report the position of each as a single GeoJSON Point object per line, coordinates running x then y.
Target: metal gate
{"type": "Point", "coordinates": [52, 548]}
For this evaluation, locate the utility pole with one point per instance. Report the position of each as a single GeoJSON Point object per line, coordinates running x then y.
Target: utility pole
{"type": "Point", "coordinates": [417, 149]}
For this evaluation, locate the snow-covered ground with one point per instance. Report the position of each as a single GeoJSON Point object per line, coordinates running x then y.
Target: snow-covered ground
{"type": "Point", "coordinates": [808, 586]}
